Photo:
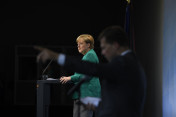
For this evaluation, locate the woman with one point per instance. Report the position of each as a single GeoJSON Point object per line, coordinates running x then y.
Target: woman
{"type": "Point", "coordinates": [90, 88]}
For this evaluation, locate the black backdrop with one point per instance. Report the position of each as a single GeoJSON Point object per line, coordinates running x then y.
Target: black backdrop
{"type": "Point", "coordinates": [50, 24]}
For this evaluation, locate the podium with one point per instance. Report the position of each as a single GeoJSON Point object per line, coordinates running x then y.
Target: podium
{"type": "Point", "coordinates": [43, 96]}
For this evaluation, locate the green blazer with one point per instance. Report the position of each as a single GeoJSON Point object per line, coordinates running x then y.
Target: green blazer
{"type": "Point", "coordinates": [89, 88]}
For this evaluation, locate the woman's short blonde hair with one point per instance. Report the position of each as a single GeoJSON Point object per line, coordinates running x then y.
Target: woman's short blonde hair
{"type": "Point", "coordinates": [87, 38]}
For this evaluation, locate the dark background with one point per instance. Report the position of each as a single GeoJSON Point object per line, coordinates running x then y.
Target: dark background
{"type": "Point", "coordinates": [56, 25]}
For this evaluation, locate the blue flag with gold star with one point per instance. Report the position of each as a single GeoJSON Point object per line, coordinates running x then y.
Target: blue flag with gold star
{"type": "Point", "coordinates": [129, 25]}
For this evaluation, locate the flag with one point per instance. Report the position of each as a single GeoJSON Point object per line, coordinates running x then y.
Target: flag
{"type": "Point", "coordinates": [129, 24]}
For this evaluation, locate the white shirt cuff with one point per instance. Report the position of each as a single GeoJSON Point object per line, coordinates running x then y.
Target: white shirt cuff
{"type": "Point", "coordinates": [61, 59]}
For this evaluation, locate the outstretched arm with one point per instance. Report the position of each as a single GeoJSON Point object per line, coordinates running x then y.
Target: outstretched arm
{"type": "Point", "coordinates": [45, 54]}
{"type": "Point", "coordinates": [92, 69]}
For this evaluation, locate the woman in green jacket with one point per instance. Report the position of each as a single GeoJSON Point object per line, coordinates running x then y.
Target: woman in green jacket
{"type": "Point", "coordinates": [90, 88]}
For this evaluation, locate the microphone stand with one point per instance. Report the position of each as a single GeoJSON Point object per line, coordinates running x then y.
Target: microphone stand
{"type": "Point", "coordinates": [44, 77]}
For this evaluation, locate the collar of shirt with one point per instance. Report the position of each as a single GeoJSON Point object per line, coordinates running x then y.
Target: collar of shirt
{"type": "Point", "coordinates": [125, 52]}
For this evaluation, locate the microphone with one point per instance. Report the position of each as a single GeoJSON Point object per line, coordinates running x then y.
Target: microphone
{"type": "Point", "coordinates": [44, 77]}
{"type": "Point", "coordinates": [77, 86]}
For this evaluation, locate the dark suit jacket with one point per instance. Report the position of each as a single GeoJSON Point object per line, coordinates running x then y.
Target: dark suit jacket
{"type": "Point", "coordinates": [123, 84]}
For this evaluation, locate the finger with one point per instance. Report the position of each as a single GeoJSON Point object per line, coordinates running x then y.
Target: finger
{"type": "Point", "coordinates": [93, 107]}
{"type": "Point", "coordinates": [61, 79]}
{"type": "Point", "coordinates": [39, 48]}
{"type": "Point", "coordinates": [66, 81]}
{"type": "Point", "coordinates": [39, 57]}
{"type": "Point", "coordinates": [88, 106]}
{"type": "Point", "coordinates": [42, 57]}
{"type": "Point", "coordinates": [63, 82]}
{"type": "Point", "coordinates": [45, 56]}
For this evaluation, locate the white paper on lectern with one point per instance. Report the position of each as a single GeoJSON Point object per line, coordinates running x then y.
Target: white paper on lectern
{"type": "Point", "coordinates": [91, 100]}
{"type": "Point", "coordinates": [51, 79]}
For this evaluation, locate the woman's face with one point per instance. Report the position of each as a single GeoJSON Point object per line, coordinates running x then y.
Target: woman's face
{"type": "Point", "coordinates": [83, 47]}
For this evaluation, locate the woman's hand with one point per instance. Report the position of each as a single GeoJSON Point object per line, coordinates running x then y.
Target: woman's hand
{"type": "Point", "coordinates": [64, 79]}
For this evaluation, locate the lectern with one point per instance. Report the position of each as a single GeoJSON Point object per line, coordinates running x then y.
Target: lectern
{"type": "Point", "coordinates": [43, 96]}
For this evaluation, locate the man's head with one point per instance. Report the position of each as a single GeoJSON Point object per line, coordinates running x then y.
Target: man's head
{"type": "Point", "coordinates": [113, 41]}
